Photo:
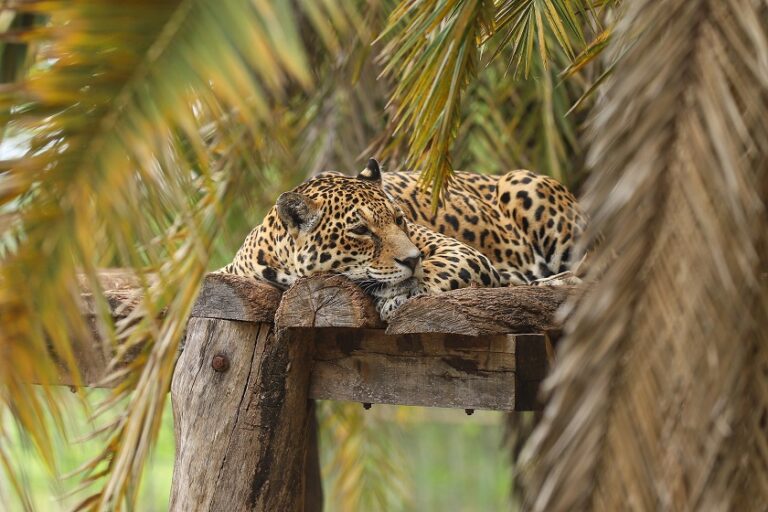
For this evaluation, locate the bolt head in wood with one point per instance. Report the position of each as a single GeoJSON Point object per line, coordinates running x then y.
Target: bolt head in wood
{"type": "Point", "coordinates": [220, 363]}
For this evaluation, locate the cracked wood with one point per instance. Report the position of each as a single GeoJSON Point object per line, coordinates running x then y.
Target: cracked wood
{"type": "Point", "coordinates": [242, 435]}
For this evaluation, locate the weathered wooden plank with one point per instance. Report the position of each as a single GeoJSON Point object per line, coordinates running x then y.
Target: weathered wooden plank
{"type": "Point", "coordinates": [241, 417]}
{"type": "Point", "coordinates": [224, 296]}
{"type": "Point", "coordinates": [481, 311]}
{"type": "Point", "coordinates": [369, 366]}
{"type": "Point", "coordinates": [334, 301]}
{"type": "Point", "coordinates": [221, 296]}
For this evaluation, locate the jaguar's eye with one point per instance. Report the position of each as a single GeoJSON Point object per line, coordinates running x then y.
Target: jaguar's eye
{"type": "Point", "coordinates": [399, 220]}
{"type": "Point", "coordinates": [360, 229]}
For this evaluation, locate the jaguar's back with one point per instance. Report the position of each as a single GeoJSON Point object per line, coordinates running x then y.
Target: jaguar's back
{"type": "Point", "coordinates": [525, 223]}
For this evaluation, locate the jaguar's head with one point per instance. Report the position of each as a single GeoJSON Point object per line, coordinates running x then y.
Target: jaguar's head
{"type": "Point", "coordinates": [349, 226]}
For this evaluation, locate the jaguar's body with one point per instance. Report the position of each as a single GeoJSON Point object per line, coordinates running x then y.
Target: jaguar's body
{"type": "Point", "coordinates": [525, 223]}
{"type": "Point", "coordinates": [383, 234]}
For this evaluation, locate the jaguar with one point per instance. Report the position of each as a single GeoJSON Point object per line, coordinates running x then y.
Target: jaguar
{"type": "Point", "coordinates": [381, 231]}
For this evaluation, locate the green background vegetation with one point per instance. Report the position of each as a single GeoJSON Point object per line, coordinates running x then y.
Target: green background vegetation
{"type": "Point", "coordinates": [445, 460]}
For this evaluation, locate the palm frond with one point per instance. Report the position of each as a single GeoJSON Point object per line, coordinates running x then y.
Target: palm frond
{"type": "Point", "coordinates": [344, 117]}
{"type": "Point", "coordinates": [432, 54]}
{"type": "Point", "coordinates": [526, 23]}
{"type": "Point", "coordinates": [658, 398]}
{"type": "Point", "coordinates": [512, 124]}
{"type": "Point", "coordinates": [589, 54]}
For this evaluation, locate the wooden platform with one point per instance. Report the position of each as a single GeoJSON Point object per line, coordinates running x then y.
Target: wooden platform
{"type": "Point", "coordinates": [253, 359]}
{"type": "Point", "coordinates": [472, 348]}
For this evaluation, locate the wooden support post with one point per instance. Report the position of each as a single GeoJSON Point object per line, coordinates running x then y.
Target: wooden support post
{"type": "Point", "coordinates": [241, 417]}
{"type": "Point", "coordinates": [242, 414]}
{"type": "Point", "coordinates": [313, 490]}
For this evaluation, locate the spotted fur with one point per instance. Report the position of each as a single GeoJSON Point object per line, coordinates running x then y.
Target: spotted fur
{"type": "Point", "coordinates": [525, 223]}
{"type": "Point", "coordinates": [380, 231]}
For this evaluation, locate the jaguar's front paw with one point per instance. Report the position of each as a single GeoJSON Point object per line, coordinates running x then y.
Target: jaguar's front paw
{"type": "Point", "coordinates": [387, 307]}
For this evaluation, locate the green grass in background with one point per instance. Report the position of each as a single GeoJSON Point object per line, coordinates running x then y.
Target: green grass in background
{"type": "Point", "coordinates": [450, 461]}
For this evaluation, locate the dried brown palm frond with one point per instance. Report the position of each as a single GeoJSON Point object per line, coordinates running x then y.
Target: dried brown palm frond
{"type": "Point", "coordinates": [658, 400]}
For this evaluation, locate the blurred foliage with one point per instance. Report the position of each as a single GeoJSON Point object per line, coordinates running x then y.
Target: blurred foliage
{"type": "Point", "coordinates": [368, 469]}
{"type": "Point", "coordinates": [154, 134]}
{"type": "Point", "coordinates": [444, 460]}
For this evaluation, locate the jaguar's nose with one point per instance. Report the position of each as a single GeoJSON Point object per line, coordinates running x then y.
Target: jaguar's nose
{"type": "Point", "coordinates": [409, 262]}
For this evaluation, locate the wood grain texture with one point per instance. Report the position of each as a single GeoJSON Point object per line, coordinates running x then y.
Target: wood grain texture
{"type": "Point", "coordinates": [242, 434]}
{"type": "Point", "coordinates": [435, 370]}
{"type": "Point", "coordinates": [231, 297]}
{"type": "Point", "coordinates": [313, 490]}
{"type": "Point", "coordinates": [481, 311]}
{"type": "Point", "coordinates": [326, 301]}
{"type": "Point", "coordinates": [223, 296]}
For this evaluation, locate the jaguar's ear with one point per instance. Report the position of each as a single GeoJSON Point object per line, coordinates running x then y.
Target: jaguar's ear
{"type": "Point", "coordinates": [298, 212]}
{"type": "Point", "coordinates": [371, 172]}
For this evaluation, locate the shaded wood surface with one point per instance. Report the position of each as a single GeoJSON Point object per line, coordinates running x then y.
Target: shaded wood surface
{"type": "Point", "coordinates": [436, 370]}
{"type": "Point", "coordinates": [241, 418]}
{"type": "Point", "coordinates": [221, 296]}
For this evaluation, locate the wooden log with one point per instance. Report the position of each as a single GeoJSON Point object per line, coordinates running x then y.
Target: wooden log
{"type": "Point", "coordinates": [232, 297]}
{"type": "Point", "coordinates": [313, 490]}
{"type": "Point", "coordinates": [326, 301]}
{"type": "Point", "coordinates": [462, 327]}
{"type": "Point", "coordinates": [482, 311]}
{"type": "Point", "coordinates": [241, 417]}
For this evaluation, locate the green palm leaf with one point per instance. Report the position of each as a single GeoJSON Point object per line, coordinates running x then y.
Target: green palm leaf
{"type": "Point", "coordinates": [433, 55]}
{"type": "Point", "coordinates": [525, 24]}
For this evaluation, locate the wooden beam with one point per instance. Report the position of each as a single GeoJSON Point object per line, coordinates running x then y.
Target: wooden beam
{"type": "Point", "coordinates": [435, 370]}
